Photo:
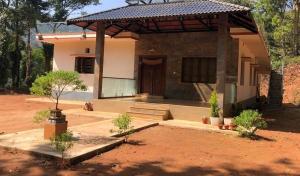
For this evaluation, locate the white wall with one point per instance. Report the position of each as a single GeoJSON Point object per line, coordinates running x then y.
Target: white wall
{"type": "Point", "coordinates": [245, 91]}
{"type": "Point", "coordinates": [118, 57]}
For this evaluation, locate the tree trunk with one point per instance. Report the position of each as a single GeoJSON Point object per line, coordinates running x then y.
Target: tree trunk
{"type": "Point", "coordinates": [296, 27]}
{"type": "Point", "coordinates": [17, 53]}
{"type": "Point", "coordinates": [29, 59]}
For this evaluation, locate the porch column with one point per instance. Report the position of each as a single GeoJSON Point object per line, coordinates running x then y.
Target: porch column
{"type": "Point", "coordinates": [99, 52]}
{"type": "Point", "coordinates": [223, 34]}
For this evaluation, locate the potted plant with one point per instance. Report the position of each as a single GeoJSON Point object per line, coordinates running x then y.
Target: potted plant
{"type": "Point", "coordinates": [228, 121]}
{"type": "Point", "coordinates": [54, 85]}
{"type": "Point", "coordinates": [214, 109]}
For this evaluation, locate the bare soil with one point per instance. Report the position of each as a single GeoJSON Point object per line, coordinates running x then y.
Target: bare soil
{"type": "Point", "coordinates": [291, 82]}
{"type": "Point", "coordinates": [175, 151]}
{"type": "Point", "coordinates": [16, 114]}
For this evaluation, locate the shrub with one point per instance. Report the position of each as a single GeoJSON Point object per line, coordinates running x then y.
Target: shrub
{"type": "Point", "coordinates": [41, 116]}
{"type": "Point", "coordinates": [248, 122]}
{"type": "Point", "coordinates": [63, 143]}
{"type": "Point", "coordinates": [54, 84]}
{"type": "Point", "coordinates": [123, 123]}
{"type": "Point", "coordinates": [214, 107]}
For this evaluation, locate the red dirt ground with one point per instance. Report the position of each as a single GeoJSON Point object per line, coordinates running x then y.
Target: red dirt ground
{"type": "Point", "coordinates": [175, 151]}
{"type": "Point", "coordinates": [291, 83]}
{"type": "Point", "coordinates": [16, 114]}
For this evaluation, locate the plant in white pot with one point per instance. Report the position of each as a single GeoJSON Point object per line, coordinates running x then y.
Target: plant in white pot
{"type": "Point", "coordinates": [214, 109]}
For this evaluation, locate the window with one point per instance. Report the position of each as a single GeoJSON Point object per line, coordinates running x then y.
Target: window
{"type": "Point", "coordinates": [199, 70]}
{"type": "Point", "coordinates": [84, 65]}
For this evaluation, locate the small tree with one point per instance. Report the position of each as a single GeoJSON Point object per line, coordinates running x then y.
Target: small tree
{"type": "Point", "coordinates": [55, 84]}
{"type": "Point", "coordinates": [214, 107]}
{"type": "Point", "coordinates": [248, 122]}
{"type": "Point", "coordinates": [123, 123]}
{"type": "Point", "coordinates": [62, 143]}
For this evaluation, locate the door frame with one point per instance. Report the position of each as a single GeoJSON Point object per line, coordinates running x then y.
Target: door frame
{"type": "Point", "coordinates": [152, 57]}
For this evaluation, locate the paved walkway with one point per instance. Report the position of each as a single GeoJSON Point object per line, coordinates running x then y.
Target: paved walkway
{"type": "Point", "coordinates": [195, 125]}
{"type": "Point", "coordinates": [81, 112]}
{"type": "Point", "coordinates": [47, 100]}
{"type": "Point", "coordinates": [89, 139]}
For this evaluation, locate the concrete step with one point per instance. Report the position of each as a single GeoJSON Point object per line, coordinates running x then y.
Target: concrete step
{"type": "Point", "coordinates": [154, 106]}
{"type": "Point", "coordinates": [149, 111]}
{"type": "Point", "coordinates": [148, 116]}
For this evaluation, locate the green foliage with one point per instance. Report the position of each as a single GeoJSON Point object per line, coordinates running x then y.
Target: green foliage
{"type": "Point", "coordinates": [55, 84]}
{"type": "Point", "coordinates": [63, 8]}
{"type": "Point", "coordinates": [248, 122]}
{"type": "Point", "coordinates": [123, 123]}
{"type": "Point", "coordinates": [41, 116]}
{"type": "Point", "coordinates": [62, 143]}
{"type": "Point", "coordinates": [214, 107]}
{"type": "Point", "coordinates": [292, 60]}
{"type": "Point", "coordinates": [247, 3]}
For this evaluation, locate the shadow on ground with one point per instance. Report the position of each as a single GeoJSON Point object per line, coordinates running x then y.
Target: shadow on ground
{"type": "Point", "coordinates": [147, 168]}
{"type": "Point", "coordinates": [286, 119]}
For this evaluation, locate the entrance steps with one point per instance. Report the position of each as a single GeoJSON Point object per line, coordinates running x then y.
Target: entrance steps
{"type": "Point", "coordinates": [150, 111]}
{"type": "Point", "coordinates": [154, 108]}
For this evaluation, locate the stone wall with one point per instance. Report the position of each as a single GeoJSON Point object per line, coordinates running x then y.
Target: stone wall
{"type": "Point", "coordinates": [175, 47]}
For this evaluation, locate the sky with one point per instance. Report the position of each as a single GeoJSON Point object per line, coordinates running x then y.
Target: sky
{"type": "Point", "coordinates": [105, 5]}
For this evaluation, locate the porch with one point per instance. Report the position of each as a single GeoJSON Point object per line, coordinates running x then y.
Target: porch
{"type": "Point", "coordinates": [156, 108]}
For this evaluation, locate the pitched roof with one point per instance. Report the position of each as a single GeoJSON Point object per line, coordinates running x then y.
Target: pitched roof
{"type": "Point", "coordinates": [57, 27]}
{"type": "Point", "coordinates": [196, 7]}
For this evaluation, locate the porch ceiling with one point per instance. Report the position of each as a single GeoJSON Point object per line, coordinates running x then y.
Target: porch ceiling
{"type": "Point", "coordinates": [193, 16]}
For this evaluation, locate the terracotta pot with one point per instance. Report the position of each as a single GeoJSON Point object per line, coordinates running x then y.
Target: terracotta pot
{"type": "Point", "coordinates": [220, 126]}
{"type": "Point", "coordinates": [226, 127]}
{"type": "Point", "coordinates": [215, 121]}
{"type": "Point", "coordinates": [205, 120]}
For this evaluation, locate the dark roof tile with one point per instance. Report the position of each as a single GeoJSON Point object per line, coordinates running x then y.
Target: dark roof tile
{"type": "Point", "coordinates": [163, 10]}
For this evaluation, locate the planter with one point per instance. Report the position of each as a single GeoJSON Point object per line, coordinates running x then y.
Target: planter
{"type": "Point", "coordinates": [228, 121]}
{"type": "Point", "coordinates": [205, 120]}
{"type": "Point", "coordinates": [56, 113]}
{"type": "Point", "coordinates": [55, 125]}
{"type": "Point", "coordinates": [215, 121]}
{"type": "Point", "coordinates": [220, 126]}
{"type": "Point", "coordinates": [226, 127]}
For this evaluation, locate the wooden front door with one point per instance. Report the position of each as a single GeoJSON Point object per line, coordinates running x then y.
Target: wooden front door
{"type": "Point", "coordinates": [152, 74]}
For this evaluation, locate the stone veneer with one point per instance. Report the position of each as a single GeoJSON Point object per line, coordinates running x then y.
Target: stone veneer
{"type": "Point", "coordinates": [175, 47]}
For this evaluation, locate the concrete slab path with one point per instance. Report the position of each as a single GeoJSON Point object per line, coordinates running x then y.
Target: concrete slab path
{"type": "Point", "coordinates": [89, 140]}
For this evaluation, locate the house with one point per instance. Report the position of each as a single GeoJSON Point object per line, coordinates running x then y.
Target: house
{"type": "Point", "coordinates": [175, 52]}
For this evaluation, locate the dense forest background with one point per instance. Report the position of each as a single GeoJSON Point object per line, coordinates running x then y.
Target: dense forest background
{"type": "Point", "coordinates": [21, 63]}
